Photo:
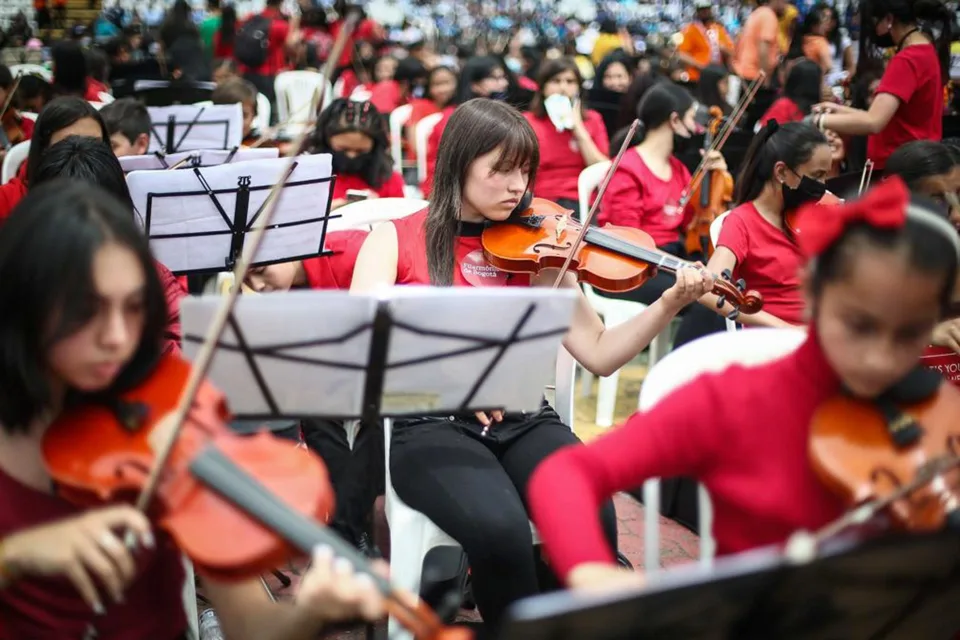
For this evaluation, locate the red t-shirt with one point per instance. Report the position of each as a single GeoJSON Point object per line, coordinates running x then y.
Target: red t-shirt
{"type": "Point", "coordinates": [174, 291]}
{"type": "Point", "coordinates": [421, 109]}
{"type": "Point", "coordinates": [51, 608]}
{"type": "Point", "coordinates": [386, 96]}
{"type": "Point", "coordinates": [744, 433]}
{"type": "Point", "coordinates": [276, 46]}
{"type": "Point", "coordinates": [335, 271]}
{"type": "Point", "coordinates": [784, 110]}
{"type": "Point", "coordinates": [433, 148]}
{"type": "Point", "coordinates": [767, 259]}
{"type": "Point", "coordinates": [392, 188]}
{"type": "Point", "coordinates": [637, 198]}
{"type": "Point", "coordinates": [94, 89]}
{"type": "Point", "coordinates": [221, 50]}
{"type": "Point", "coordinates": [560, 159]}
{"type": "Point", "coordinates": [913, 77]}
{"type": "Point", "coordinates": [471, 268]}
{"type": "Point", "coordinates": [367, 30]}
{"type": "Point", "coordinates": [11, 193]}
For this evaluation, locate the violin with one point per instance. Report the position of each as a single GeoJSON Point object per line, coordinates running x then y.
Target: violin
{"type": "Point", "coordinates": [709, 200]}
{"type": "Point", "coordinates": [11, 122]}
{"type": "Point", "coordinates": [610, 258]}
{"type": "Point", "coordinates": [902, 459]}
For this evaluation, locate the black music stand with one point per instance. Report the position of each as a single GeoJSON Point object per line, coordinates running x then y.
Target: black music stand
{"type": "Point", "coordinates": [191, 127]}
{"type": "Point", "coordinates": [197, 219]}
{"type": "Point", "coordinates": [898, 587]}
{"type": "Point", "coordinates": [411, 351]}
{"type": "Point", "coordinates": [158, 160]}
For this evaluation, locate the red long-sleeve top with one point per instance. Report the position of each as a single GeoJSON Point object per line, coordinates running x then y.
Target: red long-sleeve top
{"type": "Point", "coordinates": [743, 433]}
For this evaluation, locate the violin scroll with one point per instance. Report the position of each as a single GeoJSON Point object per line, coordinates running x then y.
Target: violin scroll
{"type": "Point", "coordinates": [736, 293]}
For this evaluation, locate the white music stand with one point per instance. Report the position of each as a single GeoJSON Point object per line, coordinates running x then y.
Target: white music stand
{"type": "Point", "coordinates": [158, 160]}
{"type": "Point", "coordinates": [410, 351]}
{"type": "Point", "coordinates": [188, 127]}
{"type": "Point", "coordinates": [197, 219]}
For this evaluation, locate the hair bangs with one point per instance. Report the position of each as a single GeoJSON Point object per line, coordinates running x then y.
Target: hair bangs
{"type": "Point", "coordinates": [518, 148]}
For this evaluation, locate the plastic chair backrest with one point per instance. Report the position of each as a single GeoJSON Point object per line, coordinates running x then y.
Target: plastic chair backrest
{"type": "Point", "coordinates": [715, 227]}
{"type": "Point", "coordinates": [298, 93]}
{"type": "Point", "coordinates": [398, 118]}
{"type": "Point", "coordinates": [31, 69]}
{"type": "Point", "coordinates": [365, 214]}
{"type": "Point", "coordinates": [424, 129]}
{"type": "Point", "coordinates": [262, 121]}
{"type": "Point", "coordinates": [590, 178]}
{"type": "Point", "coordinates": [16, 156]}
{"type": "Point", "coordinates": [715, 353]}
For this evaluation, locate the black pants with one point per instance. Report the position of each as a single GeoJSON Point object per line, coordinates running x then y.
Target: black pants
{"type": "Point", "coordinates": [357, 474]}
{"type": "Point", "coordinates": [474, 488]}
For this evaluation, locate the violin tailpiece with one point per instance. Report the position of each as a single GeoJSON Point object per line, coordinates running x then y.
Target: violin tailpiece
{"type": "Point", "coordinates": [903, 428]}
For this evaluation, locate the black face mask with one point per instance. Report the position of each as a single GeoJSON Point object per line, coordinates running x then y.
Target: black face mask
{"type": "Point", "coordinates": [499, 96]}
{"type": "Point", "coordinates": [809, 190]}
{"type": "Point", "coordinates": [682, 143]}
{"type": "Point", "coordinates": [342, 163]}
{"type": "Point", "coordinates": [885, 41]}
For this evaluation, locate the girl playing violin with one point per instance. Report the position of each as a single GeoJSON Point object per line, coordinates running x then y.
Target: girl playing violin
{"type": "Point", "coordinates": [580, 143]}
{"type": "Point", "coordinates": [752, 451]}
{"type": "Point", "coordinates": [645, 191]}
{"type": "Point", "coordinates": [356, 134]}
{"type": "Point", "coordinates": [785, 167]}
{"type": "Point", "coordinates": [468, 473]}
{"type": "Point", "coordinates": [91, 322]}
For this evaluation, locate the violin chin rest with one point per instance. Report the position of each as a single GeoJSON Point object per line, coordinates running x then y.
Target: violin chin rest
{"type": "Point", "coordinates": [952, 521]}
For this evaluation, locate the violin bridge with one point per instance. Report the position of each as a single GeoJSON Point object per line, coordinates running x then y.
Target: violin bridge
{"type": "Point", "coordinates": [561, 227]}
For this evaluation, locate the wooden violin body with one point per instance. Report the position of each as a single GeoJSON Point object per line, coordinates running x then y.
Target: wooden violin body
{"type": "Point", "coordinates": [852, 451]}
{"type": "Point", "coordinates": [99, 454]}
{"type": "Point", "coordinates": [610, 258]}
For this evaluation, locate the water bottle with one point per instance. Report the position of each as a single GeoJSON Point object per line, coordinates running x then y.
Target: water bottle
{"type": "Point", "coordinates": [210, 626]}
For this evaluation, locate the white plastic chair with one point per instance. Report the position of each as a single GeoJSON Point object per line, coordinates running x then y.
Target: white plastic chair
{"type": "Point", "coordinates": [365, 214]}
{"type": "Point", "coordinates": [30, 115]}
{"type": "Point", "coordinates": [264, 110]}
{"type": "Point", "coordinates": [710, 354]}
{"type": "Point", "coordinates": [105, 98]}
{"type": "Point", "coordinates": [32, 69]}
{"type": "Point", "coordinates": [424, 129]}
{"type": "Point", "coordinates": [612, 311]}
{"type": "Point", "coordinates": [298, 94]}
{"type": "Point", "coordinates": [16, 156]}
{"type": "Point", "coordinates": [413, 535]}
{"type": "Point", "coordinates": [715, 227]}
{"type": "Point", "coordinates": [398, 118]}
{"type": "Point", "coordinates": [97, 105]}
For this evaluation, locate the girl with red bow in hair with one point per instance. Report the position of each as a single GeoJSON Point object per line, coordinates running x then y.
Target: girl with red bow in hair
{"type": "Point", "coordinates": [752, 456]}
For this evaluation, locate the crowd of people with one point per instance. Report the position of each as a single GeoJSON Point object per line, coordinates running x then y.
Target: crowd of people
{"type": "Point", "coordinates": [818, 99]}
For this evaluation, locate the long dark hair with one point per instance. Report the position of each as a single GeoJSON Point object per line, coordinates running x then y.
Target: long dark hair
{"type": "Point", "coordinates": [46, 300]}
{"type": "Point", "coordinates": [474, 70]}
{"type": "Point", "coordinates": [346, 115]}
{"type": "Point", "coordinates": [476, 128]}
{"type": "Point", "coordinates": [60, 114]}
{"type": "Point", "coordinates": [87, 160]}
{"type": "Point", "coordinates": [69, 69]}
{"type": "Point", "coordinates": [549, 71]}
{"type": "Point", "coordinates": [708, 89]}
{"type": "Point", "coordinates": [803, 84]}
{"type": "Point", "coordinates": [923, 14]}
{"type": "Point", "coordinates": [228, 25]}
{"type": "Point", "coordinates": [811, 21]}
{"type": "Point", "coordinates": [659, 103]}
{"type": "Point", "coordinates": [792, 144]}
{"type": "Point", "coordinates": [631, 100]}
{"type": "Point", "coordinates": [919, 159]}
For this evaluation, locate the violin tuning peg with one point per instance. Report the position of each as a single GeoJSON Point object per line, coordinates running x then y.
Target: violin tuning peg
{"type": "Point", "coordinates": [733, 315]}
{"type": "Point", "coordinates": [741, 285]}
{"type": "Point", "coordinates": [722, 300]}
{"type": "Point", "coordinates": [726, 274]}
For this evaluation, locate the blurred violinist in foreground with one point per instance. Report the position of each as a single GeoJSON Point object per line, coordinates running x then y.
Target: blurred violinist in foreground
{"type": "Point", "coordinates": [92, 322]}
{"type": "Point", "coordinates": [737, 432]}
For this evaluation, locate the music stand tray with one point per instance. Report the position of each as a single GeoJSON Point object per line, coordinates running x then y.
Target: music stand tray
{"type": "Point", "coordinates": [197, 219]}
{"type": "Point", "coordinates": [410, 351]}
{"type": "Point", "coordinates": [159, 161]}
{"type": "Point", "coordinates": [896, 587]}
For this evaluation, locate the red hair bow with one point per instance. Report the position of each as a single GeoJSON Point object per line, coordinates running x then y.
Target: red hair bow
{"type": "Point", "coordinates": [884, 206]}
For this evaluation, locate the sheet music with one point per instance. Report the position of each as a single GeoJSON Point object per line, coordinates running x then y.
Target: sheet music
{"type": "Point", "coordinates": [308, 353]}
{"type": "Point", "coordinates": [218, 126]}
{"type": "Point", "coordinates": [203, 157]}
{"type": "Point", "coordinates": [191, 232]}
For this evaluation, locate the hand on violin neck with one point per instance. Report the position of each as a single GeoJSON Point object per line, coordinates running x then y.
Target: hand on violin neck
{"type": "Point", "coordinates": [692, 283]}
{"type": "Point", "coordinates": [332, 591]}
{"type": "Point", "coordinates": [714, 161]}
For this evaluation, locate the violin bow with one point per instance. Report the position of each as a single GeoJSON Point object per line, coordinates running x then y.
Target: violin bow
{"type": "Point", "coordinates": [721, 138]}
{"type": "Point", "coordinates": [585, 223]}
{"type": "Point", "coordinates": [201, 364]}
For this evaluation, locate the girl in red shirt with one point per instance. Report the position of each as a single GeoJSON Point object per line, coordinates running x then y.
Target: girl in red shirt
{"type": "Point", "coordinates": [356, 134]}
{"type": "Point", "coordinates": [909, 100]}
{"type": "Point", "coordinates": [564, 154]}
{"type": "Point", "coordinates": [801, 92]}
{"type": "Point", "coordinates": [645, 191]}
{"type": "Point", "coordinates": [438, 92]}
{"type": "Point", "coordinates": [784, 168]}
{"type": "Point", "coordinates": [91, 322]}
{"type": "Point", "coordinates": [718, 428]}
{"type": "Point", "coordinates": [468, 472]}
{"type": "Point", "coordinates": [480, 77]}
